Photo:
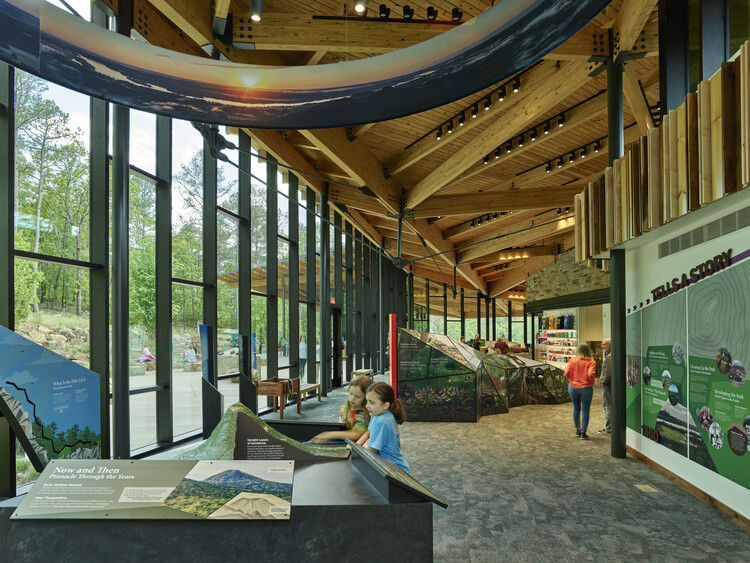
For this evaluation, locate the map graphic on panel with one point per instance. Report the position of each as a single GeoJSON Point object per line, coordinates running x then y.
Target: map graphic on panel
{"type": "Point", "coordinates": [719, 402]}
{"type": "Point", "coordinates": [634, 374]}
{"type": "Point", "coordinates": [664, 337]}
{"type": "Point", "coordinates": [51, 402]}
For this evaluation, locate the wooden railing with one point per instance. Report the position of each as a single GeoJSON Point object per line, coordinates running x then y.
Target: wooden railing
{"type": "Point", "coordinates": [699, 154]}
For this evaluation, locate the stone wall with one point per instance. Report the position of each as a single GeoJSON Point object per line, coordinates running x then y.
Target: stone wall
{"type": "Point", "coordinates": [67, 342]}
{"type": "Point", "coordinates": [564, 277]}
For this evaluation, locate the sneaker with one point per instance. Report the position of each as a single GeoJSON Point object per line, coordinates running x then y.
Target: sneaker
{"type": "Point", "coordinates": [584, 436]}
{"type": "Point", "coordinates": [602, 431]}
{"type": "Point", "coordinates": [578, 432]}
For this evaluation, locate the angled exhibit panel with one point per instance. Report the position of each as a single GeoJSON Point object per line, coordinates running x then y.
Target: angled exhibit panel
{"type": "Point", "coordinates": [51, 402]}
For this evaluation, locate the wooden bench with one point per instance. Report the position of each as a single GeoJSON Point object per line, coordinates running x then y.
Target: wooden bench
{"type": "Point", "coordinates": [306, 388]}
{"type": "Point", "coordinates": [370, 373]}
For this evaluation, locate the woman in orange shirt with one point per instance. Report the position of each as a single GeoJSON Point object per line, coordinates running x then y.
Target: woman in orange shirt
{"type": "Point", "coordinates": [581, 372]}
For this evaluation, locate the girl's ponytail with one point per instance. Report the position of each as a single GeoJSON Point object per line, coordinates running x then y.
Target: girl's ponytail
{"type": "Point", "coordinates": [398, 411]}
{"type": "Point", "coordinates": [387, 395]}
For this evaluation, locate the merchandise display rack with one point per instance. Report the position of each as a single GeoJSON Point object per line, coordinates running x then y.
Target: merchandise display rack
{"type": "Point", "coordinates": [557, 345]}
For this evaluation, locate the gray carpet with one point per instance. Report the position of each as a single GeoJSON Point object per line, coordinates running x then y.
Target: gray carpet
{"type": "Point", "coordinates": [521, 487]}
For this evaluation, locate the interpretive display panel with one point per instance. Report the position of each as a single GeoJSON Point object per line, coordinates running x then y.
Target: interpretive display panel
{"type": "Point", "coordinates": [635, 377]}
{"type": "Point", "coordinates": [393, 473]}
{"type": "Point", "coordinates": [126, 489]}
{"type": "Point", "coordinates": [51, 402]}
{"type": "Point", "coordinates": [696, 342]}
{"type": "Point", "coordinates": [241, 435]}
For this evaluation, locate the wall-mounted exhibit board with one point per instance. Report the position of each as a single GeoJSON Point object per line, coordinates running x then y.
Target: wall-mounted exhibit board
{"type": "Point", "coordinates": [330, 502]}
{"type": "Point", "coordinates": [51, 402]}
{"type": "Point", "coordinates": [687, 345]}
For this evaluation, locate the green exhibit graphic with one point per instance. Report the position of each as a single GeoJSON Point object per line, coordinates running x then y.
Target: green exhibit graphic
{"type": "Point", "coordinates": [719, 350]}
{"type": "Point", "coordinates": [635, 378]}
{"type": "Point", "coordinates": [137, 489]}
{"type": "Point", "coordinates": [663, 403]}
{"type": "Point", "coordinates": [51, 402]}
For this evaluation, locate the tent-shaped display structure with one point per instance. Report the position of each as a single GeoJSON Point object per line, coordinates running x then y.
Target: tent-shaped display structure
{"type": "Point", "coordinates": [443, 380]}
{"type": "Point", "coordinates": [527, 381]}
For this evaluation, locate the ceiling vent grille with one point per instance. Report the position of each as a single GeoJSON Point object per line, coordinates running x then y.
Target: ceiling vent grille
{"type": "Point", "coordinates": [718, 228]}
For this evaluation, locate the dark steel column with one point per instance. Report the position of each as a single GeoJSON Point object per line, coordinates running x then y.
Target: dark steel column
{"type": "Point", "coordinates": [338, 295]}
{"type": "Point", "coordinates": [427, 303]}
{"type": "Point", "coordinates": [294, 301]}
{"type": "Point", "coordinates": [359, 290]}
{"type": "Point", "coordinates": [210, 268]}
{"type": "Point", "coordinates": [525, 325]}
{"type": "Point", "coordinates": [673, 54]}
{"type": "Point", "coordinates": [714, 36]}
{"type": "Point", "coordinates": [325, 294]}
{"type": "Point", "coordinates": [164, 407]}
{"type": "Point", "coordinates": [385, 307]}
{"type": "Point", "coordinates": [445, 308]}
{"type": "Point", "coordinates": [7, 260]}
{"type": "Point", "coordinates": [99, 237]}
{"type": "Point", "coordinates": [510, 320]}
{"type": "Point", "coordinates": [310, 265]}
{"type": "Point", "coordinates": [463, 315]}
{"type": "Point", "coordinates": [479, 315]}
{"type": "Point", "coordinates": [410, 302]}
{"type": "Point", "coordinates": [272, 268]}
{"type": "Point", "coordinates": [244, 283]}
{"type": "Point", "coordinates": [494, 318]}
{"type": "Point", "coordinates": [618, 307]}
{"type": "Point", "coordinates": [487, 316]}
{"type": "Point", "coordinates": [366, 306]}
{"type": "Point", "coordinates": [349, 298]}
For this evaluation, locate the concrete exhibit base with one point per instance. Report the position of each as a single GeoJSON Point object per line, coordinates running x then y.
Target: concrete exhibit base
{"type": "Point", "coordinates": [330, 503]}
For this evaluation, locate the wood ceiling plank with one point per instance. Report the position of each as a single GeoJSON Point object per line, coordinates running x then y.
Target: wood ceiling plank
{"type": "Point", "coordinates": [592, 40]}
{"type": "Point", "coordinates": [516, 223]}
{"type": "Point", "coordinates": [518, 239]}
{"type": "Point", "coordinates": [530, 81]}
{"type": "Point", "coordinates": [519, 275]}
{"type": "Point", "coordinates": [160, 31]}
{"type": "Point", "coordinates": [515, 200]}
{"type": "Point", "coordinates": [354, 200]}
{"type": "Point", "coordinates": [431, 274]}
{"type": "Point", "coordinates": [303, 32]}
{"type": "Point", "coordinates": [629, 24]}
{"type": "Point", "coordinates": [516, 254]}
{"type": "Point", "coordinates": [466, 227]}
{"type": "Point", "coordinates": [410, 248]}
{"type": "Point", "coordinates": [565, 81]}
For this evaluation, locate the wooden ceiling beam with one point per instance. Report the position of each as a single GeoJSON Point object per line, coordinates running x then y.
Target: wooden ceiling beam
{"type": "Point", "coordinates": [574, 117]}
{"type": "Point", "coordinates": [515, 200]}
{"type": "Point", "coordinates": [517, 239]}
{"type": "Point", "coordinates": [302, 32]}
{"type": "Point", "coordinates": [516, 223]}
{"type": "Point", "coordinates": [434, 275]}
{"type": "Point", "coordinates": [410, 248]}
{"type": "Point", "coordinates": [519, 275]}
{"type": "Point", "coordinates": [530, 81]}
{"type": "Point", "coordinates": [357, 160]}
{"type": "Point", "coordinates": [158, 30]}
{"type": "Point", "coordinates": [467, 227]}
{"type": "Point", "coordinates": [567, 79]}
{"type": "Point", "coordinates": [637, 101]}
{"type": "Point", "coordinates": [627, 29]}
{"type": "Point", "coordinates": [221, 12]}
{"type": "Point", "coordinates": [353, 200]}
{"type": "Point", "coordinates": [517, 254]}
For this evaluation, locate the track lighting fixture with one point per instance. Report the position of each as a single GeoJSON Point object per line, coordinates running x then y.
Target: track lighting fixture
{"type": "Point", "coordinates": [479, 221]}
{"type": "Point", "coordinates": [408, 12]}
{"type": "Point", "coordinates": [256, 10]}
{"type": "Point", "coordinates": [546, 128]}
{"type": "Point", "coordinates": [474, 111]}
{"type": "Point", "coordinates": [520, 140]}
{"type": "Point", "coordinates": [501, 94]}
{"type": "Point", "coordinates": [559, 162]}
{"type": "Point", "coordinates": [385, 11]}
{"type": "Point", "coordinates": [487, 103]}
{"type": "Point", "coordinates": [559, 211]}
{"type": "Point", "coordinates": [516, 84]}
{"type": "Point", "coordinates": [533, 134]}
{"type": "Point", "coordinates": [456, 14]}
{"type": "Point", "coordinates": [572, 157]}
{"type": "Point", "coordinates": [486, 158]}
{"type": "Point", "coordinates": [494, 216]}
{"type": "Point", "coordinates": [461, 120]}
{"type": "Point", "coordinates": [497, 152]}
{"type": "Point", "coordinates": [584, 152]}
{"type": "Point", "coordinates": [567, 210]}
{"type": "Point", "coordinates": [450, 126]}
{"type": "Point", "coordinates": [561, 120]}
{"type": "Point", "coordinates": [548, 168]}
{"type": "Point", "coordinates": [439, 134]}
{"type": "Point", "coordinates": [509, 147]}
{"type": "Point", "coordinates": [471, 224]}
{"type": "Point", "coordinates": [360, 6]}
{"type": "Point", "coordinates": [502, 214]}
{"type": "Point", "coordinates": [597, 146]}
{"type": "Point", "coordinates": [431, 13]}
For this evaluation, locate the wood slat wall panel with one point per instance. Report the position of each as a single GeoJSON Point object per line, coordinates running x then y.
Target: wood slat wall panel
{"type": "Point", "coordinates": [705, 173]}
{"type": "Point", "coordinates": [634, 216]}
{"type": "Point", "coordinates": [609, 207]}
{"type": "Point", "coordinates": [654, 178]}
{"type": "Point", "coordinates": [624, 199]}
{"type": "Point", "coordinates": [591, 227]}
{"type": "Point", "coordinates": [693, 159]}
{"type": "Point", "coordinates": [682, 161]}
{"type": "Point", "coordinates": [674, 185]}
{"type": "Point", "coordinates": [666, 213]}
{"type": "Point", "coordinates": [642, 222]}
{"type": "Point", "coordinates": [617, 200]}
{"type": "Point", "coordinates": [744, 74]}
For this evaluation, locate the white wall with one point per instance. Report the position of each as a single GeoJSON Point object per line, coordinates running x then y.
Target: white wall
{"type": "Point", "coordinates": [644, 272]}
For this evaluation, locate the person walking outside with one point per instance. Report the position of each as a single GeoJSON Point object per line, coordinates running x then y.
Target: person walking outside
{"type": "Point", "coordinates": [581, 372]}
{"type": "Point", "coordinates": [302, 353]}
{"type": "Point", "coordinates": [606, 382]}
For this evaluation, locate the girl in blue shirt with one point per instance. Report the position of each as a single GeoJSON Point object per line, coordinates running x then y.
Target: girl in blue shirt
{"type": "Point", "coordinates": [386, 413]}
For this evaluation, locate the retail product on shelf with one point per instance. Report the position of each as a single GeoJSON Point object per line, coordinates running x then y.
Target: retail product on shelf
{"type": "Point", "coordinates": [556, 345]}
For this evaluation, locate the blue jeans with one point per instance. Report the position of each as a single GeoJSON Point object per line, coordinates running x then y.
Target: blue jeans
{"type": "Point", "coordinates": [581, 405]}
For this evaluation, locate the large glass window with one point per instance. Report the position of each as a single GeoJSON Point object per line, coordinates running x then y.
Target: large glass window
{"type": "Point", "coordinates": [283, 301]}
{"type": "Point", "coordinates": [187, 202]}
{"type": "Point", "coordinates": [187, 312]}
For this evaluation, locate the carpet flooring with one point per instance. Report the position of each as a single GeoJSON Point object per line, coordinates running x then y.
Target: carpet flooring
{"type": "Point", "coordinates": [521, 487]}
